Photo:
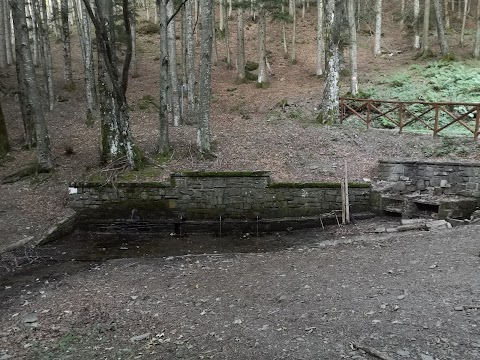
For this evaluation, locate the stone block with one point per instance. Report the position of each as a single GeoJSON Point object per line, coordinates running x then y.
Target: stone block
{"type": "Point", "coordinates": [443, 183]}
{"type": "Point", "coordinates": [472, 186]}
{"type": "Point", "coordinates": [400, 186]}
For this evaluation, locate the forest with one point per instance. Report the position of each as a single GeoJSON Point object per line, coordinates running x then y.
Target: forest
{"type": "Point", "coordinates": [191, 37]}
{"type": "Point", "coordinates": [136, 90]}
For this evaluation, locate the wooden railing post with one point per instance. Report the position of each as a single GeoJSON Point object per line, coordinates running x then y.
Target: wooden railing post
{"type": "Point", "coordinates": [435, 126]}
{"type": "Point", "coordinates": [477, 123]}
{"type": "Point", "coordinates": [400, 117]}
{"type": "Point", "coordinates": [368, 114]}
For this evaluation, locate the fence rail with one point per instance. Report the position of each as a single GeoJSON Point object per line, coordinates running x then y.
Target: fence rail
{"type": "Point", "coordinates": [402, 113]}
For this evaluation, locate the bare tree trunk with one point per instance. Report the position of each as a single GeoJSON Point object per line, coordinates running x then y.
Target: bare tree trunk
{"type": "Point", "coordinates": [378, 28]}
{"type": "Point", "coordinates": [426, 27]}
{"type": "Point", "coordinates": [293, 58]}
{"type": "Point", "coordinates": [353, 47]}
{"type": "Point", "coordinates": [329, 112]}
{"type": "Point", "coordinates": [23, 95]}
{"type": "Point", "coordinates": [44, 156]}
{"type": "Point", "coordinates": [262, 64]}
{"type": "Point", "coordinates": [133, 26]}
{"type": "Point", "coordinates": [416, 24]}
{"type": "Point", "coordinates": [442, 39]}
{"type": "Point", "coordinates": [205, 81]}
{"type": "Point", "coordinates": [32, 27]}
{"type": "Point", "coordinates": [221, 20]}
{"type": "Point", "coordinates": [320, 39]}
{"type": "Point", "coordinates": [402, 13]}
{"type": "Point", "coordinates": [3, 39]}
{"type": "Point", "coordinates": [227, 40]}
{"type": "Point", "coordinates": [117, 139]}
{"type": "Point", "coordinates": [47, 54]}
{"type": "Point", "coordinates": [88, 64]}
{"type": "Point", "coordinates": [8, 32]}
{"type": "Point", "coordinates": [241, 47]}
{"type": "Point", "coordinates": [284, 35]}
{"type": "Point", "coordinates": [172, 56]}
{"type": "Point", "coordinates": [464, 20]}
{"type": "Point", "coordinates": [447, 16]}
{"type": "Point", "coordinates": [163, 139]}
{"type": "Point", "coordinates": [4, 144]}
{"type": "Point", "coordinates": [56, 18]}
{"type": "Point", "coordinates": [190, 60]}
{"type": "Point", "coordinates": [67, 58]}
{"type": "Point", "coordinates": [476, 51]}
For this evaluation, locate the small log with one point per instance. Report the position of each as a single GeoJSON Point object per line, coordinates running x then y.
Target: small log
{"type": "Point", "coordinates": [373, 352]}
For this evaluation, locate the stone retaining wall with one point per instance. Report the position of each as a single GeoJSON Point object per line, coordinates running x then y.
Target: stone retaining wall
{"type": "Point", "coordinates": [436, 178]}
{"type": "Point", "coordinates": [200, 195]}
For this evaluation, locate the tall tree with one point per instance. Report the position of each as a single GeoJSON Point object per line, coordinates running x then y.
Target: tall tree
{"type": "Point", "coordinates": [476, 50]}
{"type": "Point", "coordinates": [442, 39]}
{"type": "Point", "coordinates": [163, 145]}
{"type": "Point", "coordinates": [378, 28]}
{"type": "Point", "coordinates": [426, 28]}
{"type": "Point", "coordinates": [23, 94]}
{"type": "Point", "coordinates": [353, 47]}
{"type": "Point", "coordinates": [117, 138]}
{"type": "Point", "coordinates": [172, 55]}
{"type": "Point", "coordinates": [329, 112]}
{"type": "Point", "coordinates": [67, 57]}
{"type": "Point", "coordinates": [464, 21]}
{"type": "Point", "coordinates": [46, 53]}
{"type": "Point", "coordinates": [416, 24]}
{"type": "Point", "coordinates": [262, 41]}
{"type": "Point", "coordinates": [44, 156]}
{"type": "Point", "coordinates": [320, 39]}
{"type": "Point", "coordinates": [240, 46]}
{"type": "Point", "coordinates": [88, 63]}
{"type": "Point", "coordinates": [190, 61]}
{"type": "Point", "coordinates": [3, 38]}
{"type": "Point", "coordinates": [4, 144]}
{"type": "Point", "coordinates": [133, 27]}
{"type": "Point", "coordinates": [293, 57]}
{"type": "Point", "coordinates": [205, 81]}
{"type": "Point", "coordinates": [8, 33]}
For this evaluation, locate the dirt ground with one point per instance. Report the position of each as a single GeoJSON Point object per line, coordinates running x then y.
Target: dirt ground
{"type": "Point", "coordinates": [409, 295]}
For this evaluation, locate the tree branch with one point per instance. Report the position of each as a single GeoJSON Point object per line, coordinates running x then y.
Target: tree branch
{"type": "Point", "coordinates": [105, 48]}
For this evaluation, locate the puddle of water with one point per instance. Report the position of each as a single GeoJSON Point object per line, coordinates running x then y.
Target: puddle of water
{"type": "Point", "coordinates": [81, 250]}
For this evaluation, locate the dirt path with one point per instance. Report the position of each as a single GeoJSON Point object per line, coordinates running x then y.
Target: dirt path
{"type": "Point", "coordinates": [411, 296]}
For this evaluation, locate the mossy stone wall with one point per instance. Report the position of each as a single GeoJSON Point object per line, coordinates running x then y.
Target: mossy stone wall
{"type": "Point", "coordinates": [438, 178]}
{"type": "Point", "coordinates": [206, 196]}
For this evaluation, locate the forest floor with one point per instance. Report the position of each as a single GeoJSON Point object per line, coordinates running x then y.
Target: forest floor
{"type": "Point", "coordinates": [332, 303]}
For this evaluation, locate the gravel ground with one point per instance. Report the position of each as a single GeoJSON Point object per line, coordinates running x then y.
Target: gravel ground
{"type": "Point", "coordinates": [412, 295]}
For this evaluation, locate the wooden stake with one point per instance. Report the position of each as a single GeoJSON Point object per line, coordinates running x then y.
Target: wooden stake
{"type": "Point", "coordinates": [347, 201]}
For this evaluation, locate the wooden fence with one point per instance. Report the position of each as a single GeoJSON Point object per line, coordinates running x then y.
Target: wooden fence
{"type": "Point", "coordinates": [402, 113]}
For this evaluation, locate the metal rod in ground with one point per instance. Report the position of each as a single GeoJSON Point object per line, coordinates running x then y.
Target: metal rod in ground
{"type": "Point", "coordinates": [347, 201]}
{"type": "Point", "coordinates": [342, 190]}
{"type": "Point", "coordinates": [336, 217]}
{"type": "Point", "coordinates": [321, 222]}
